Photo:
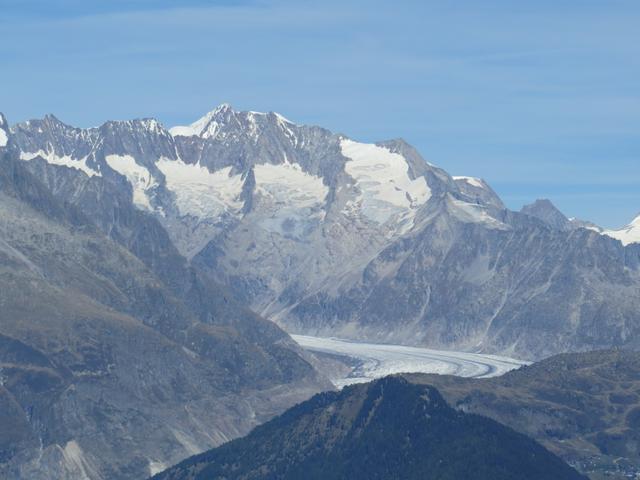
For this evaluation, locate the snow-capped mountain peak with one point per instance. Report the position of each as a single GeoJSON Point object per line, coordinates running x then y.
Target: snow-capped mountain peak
{"type": "Point", "coordinates": [222, 108]}
{"type": "Point", "coordinates": [224, 119]}
{"type": "Point", "coordinates": [206, 126]}
{"type": "Point", "coordinates": [627, 235]}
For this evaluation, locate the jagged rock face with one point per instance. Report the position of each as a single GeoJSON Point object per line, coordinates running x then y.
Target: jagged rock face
{"type": "Point", "coordinates": [384, 430]}
{"type": "Point", "coordinates": [547, 212]}
{"type": "Point", "coordinates": [526, 290]}
{"type": "Point", "coordinates": [480, 191]}
{"type": "Point", "coordinates": [115, 364]}
{"type": "Point", "coordinates": [325, 235]}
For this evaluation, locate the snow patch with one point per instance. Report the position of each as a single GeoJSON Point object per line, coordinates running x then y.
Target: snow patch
{"type": "Point", "coordinates": [293, 198]}
{"type": "Point", "coordinates": [283, 119]}
{"type": "Point", "coordinates": [201, 193]}
{"type": "Point", "coordinates": [627, 235]}
{"type": "Point", "coordinates": [156, 467]}
{"type": "Point", "coordinates": [285, 126]}
{"type": "Point", "coordinates": [64, 161]}
{"type": "Point", "coordinates": [473, 213]}
{"type": "Point", "coordinates": [4, 139]}
{"type": "Point", "coordinates": [138, 176]}
{"type": "Point", "coordinates": [473, 181]}
{"type": "Point", "coordinates": [382, 178]}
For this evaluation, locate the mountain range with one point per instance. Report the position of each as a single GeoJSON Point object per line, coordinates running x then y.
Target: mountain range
{"type": "Point", "coordinates": [149, 277]}
{"type": "Point", "coordinates": [328, 236]}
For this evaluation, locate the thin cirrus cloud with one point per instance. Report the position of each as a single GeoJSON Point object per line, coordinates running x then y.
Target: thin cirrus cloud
{"type": "Point", "coordinates": [46, 9]}
{"type": "Point", "coordinates": [528, 95]}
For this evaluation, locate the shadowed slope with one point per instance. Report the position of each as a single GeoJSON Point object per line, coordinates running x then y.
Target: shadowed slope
{"type": "Point", "coordinates": [387, 429]}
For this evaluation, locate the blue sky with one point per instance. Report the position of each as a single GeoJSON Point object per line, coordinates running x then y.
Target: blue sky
{"type": "Point", "coordinates": [542, 99]}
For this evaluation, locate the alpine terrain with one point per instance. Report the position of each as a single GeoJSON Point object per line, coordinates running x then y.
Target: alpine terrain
{"type": "Point", "coordinates": [148, 276]}
{"type": "Point", "coordinates": [117, 358]}
{"type": "Point", "coordinates": [327, 236]}
{"type": "Point", "coordinates": [387, 429]}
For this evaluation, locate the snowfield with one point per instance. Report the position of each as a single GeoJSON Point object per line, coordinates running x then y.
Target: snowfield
{"type": "Point", "coordinates": [627, 235]}
{"type": "Point", "coordinates": [201, 193]}
{"type": "Point", "coordinates": [64, 161]}
{"type": "Point", "coordinates": [138, 176]}
{"type": "Point", "coordinates": [382, 178]}
{"type": "Point", "coordinates": [378, 360]}
{"type": "Point", "coordinates": [291, 198]}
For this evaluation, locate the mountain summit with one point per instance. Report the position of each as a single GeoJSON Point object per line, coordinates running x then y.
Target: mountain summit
{"type": "Point", "coordinates": [385, 430]}
{"type": "Point", "coordinates": [546, 211]}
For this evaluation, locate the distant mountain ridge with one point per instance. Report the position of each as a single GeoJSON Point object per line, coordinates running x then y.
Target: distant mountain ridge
{"type": "Point", "coordinates": [329, 236]}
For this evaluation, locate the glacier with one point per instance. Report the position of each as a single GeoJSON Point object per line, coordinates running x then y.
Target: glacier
{"type": "Point", "coordinates": [376, 360]}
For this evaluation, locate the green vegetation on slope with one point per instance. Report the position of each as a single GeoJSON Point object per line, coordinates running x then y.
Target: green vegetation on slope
{"type": "Point", "coordinates": [388, 429]}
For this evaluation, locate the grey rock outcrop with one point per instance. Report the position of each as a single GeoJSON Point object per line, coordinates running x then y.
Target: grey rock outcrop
{"type": "Point", "coordinates": [547, 212]}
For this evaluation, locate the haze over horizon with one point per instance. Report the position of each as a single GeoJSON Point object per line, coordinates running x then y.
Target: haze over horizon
{"type": "Point", "coordinates": [477, 90]}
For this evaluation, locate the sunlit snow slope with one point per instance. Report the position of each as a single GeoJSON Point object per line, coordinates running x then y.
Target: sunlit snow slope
{"type": "Point", "coordinates": [627, 235]}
